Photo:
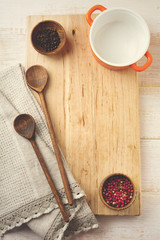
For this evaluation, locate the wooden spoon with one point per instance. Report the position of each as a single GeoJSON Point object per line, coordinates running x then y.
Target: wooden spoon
{"type": "Point", "coordinates": [24, 125]}
{"type": "Point", "coordinates": [36, 78]}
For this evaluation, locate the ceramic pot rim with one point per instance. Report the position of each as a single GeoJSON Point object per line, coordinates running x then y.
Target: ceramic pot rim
{"type": "Point", "coordinates": [133, 14]}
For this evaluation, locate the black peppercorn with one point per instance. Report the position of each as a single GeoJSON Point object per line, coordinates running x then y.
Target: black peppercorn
{"type": "Point", "coordinates": [48, 39]}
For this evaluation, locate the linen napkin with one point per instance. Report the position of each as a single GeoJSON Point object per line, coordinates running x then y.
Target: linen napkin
{"type": "Point", "coordinates": [25, 196]}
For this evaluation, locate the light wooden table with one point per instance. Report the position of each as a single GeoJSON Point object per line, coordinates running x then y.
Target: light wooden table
{"type": "Point", "coordinates": [12, 50]}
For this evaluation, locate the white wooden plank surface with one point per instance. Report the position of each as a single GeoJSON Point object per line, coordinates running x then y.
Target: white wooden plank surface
{"type": "Point", "coordinates": [12, 50]}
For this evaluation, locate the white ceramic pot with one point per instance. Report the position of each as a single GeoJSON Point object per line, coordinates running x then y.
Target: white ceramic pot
{"type": "Point", "coordinates": [118, 38]}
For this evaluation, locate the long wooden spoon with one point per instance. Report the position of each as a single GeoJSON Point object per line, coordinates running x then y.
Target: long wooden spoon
{"type": "Point", "coordinates": [24, 125]}
{"type": "Point", "coordinates": [36, 78]}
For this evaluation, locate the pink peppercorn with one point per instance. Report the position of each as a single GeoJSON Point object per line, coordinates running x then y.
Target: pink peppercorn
{"type": "Point", "coordinates": [117, 191]}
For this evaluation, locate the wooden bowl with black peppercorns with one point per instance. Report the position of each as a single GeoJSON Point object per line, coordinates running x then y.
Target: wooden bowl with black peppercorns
{"type": "Point", "coordinates": [48, 37]}
{"type": "Point", "coordinates": [117, 191]}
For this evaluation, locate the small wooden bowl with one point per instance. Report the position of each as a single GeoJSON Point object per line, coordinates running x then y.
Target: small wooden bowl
{"type": "Point", "coordinates": [103, 200]}
{"type": "Point", "coordinates": [48, 24]}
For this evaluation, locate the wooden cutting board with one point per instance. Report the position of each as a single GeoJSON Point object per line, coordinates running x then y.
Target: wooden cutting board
{"type": "Point", "coordinates": [95, 112]}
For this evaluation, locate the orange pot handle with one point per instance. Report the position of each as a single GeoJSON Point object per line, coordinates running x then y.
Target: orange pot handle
{"type": "Point", "coordinates": [145, 66]}
{"type": "Point", "coordinates": [91, 10]}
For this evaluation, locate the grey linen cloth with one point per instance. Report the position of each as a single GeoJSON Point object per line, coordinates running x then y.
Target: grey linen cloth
{"type": "Point", "coordinates": [25, 196]}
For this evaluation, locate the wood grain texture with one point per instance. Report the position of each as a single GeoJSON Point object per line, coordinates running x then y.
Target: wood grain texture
{"type": "Point", "coordinates": [49, 179]}
{"type": "Point", "coordinates": [56, 150]}
{"type": "Point", "coordinates": [12, 51]}
{"type": "Point", "coordinates": [37, 78]}
{"type": "Point", "coordinates": [98, 111]}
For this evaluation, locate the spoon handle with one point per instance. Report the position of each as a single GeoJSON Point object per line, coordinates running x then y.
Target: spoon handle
{"type": "Point", "coordinates": [49, 179]}
{"type": "Point", "coordinates": [56, 150]}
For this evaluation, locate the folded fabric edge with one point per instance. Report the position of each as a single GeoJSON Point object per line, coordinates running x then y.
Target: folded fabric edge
{"type": "Point", "coordinates": [26, 213]}
{"type": "Point", "coordinates": [86, 221]}
{"type": "Point", "coordinates": [81, 229]}
{"type": "Point", "coordinates": [35, 209]}
{"type": "Point", "coordinates": [58, 226]}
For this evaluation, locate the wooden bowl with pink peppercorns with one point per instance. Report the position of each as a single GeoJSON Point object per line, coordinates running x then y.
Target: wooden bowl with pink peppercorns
{"type": "Point", "coordinates": [117, 191]}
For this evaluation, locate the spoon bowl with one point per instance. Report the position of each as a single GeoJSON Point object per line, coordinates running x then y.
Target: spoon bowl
{"type": "Point", "coordinates": [24, 125]}
{"type": "Point", "coordinates": [37, 77]}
